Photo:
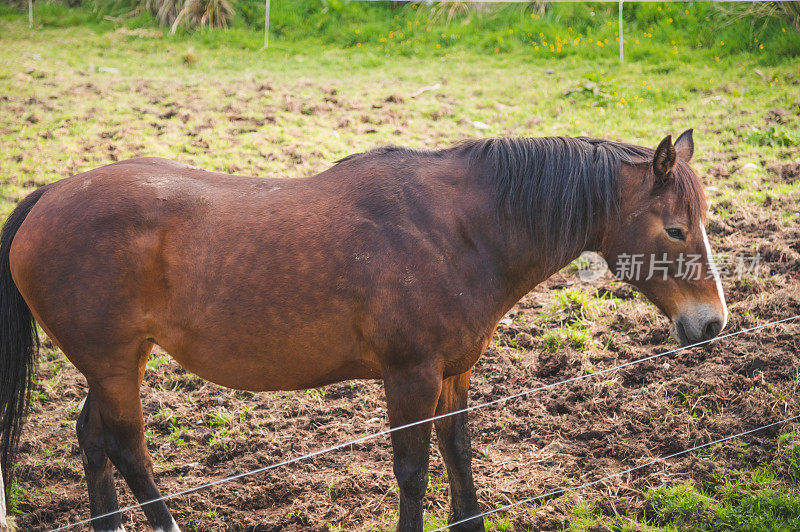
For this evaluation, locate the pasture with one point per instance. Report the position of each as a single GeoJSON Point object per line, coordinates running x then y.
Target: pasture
{"type": "Point", "coordinates": [72, 99]}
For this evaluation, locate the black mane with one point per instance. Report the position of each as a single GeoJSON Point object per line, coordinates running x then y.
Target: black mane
{"type": "Point", "coordinates": [557, 188]}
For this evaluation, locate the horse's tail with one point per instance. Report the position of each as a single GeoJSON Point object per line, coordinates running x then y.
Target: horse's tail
{"type": "Point", "coordinates": [19, 343]}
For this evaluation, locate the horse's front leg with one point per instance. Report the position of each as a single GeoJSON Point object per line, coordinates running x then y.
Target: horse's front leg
{"type": "Point", "coordinates": [454, 444]}
{"type": "Point", "coordinates": [411, 395]}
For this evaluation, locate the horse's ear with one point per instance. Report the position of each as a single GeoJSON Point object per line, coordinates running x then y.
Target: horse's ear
{"type": "Point", "coordinates": [684, 146]}
{"type": "Point", "coordinates": [664, 159]}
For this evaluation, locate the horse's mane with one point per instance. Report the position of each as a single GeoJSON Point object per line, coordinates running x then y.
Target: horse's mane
{"type": "Point", "coordinates": [558, 188]}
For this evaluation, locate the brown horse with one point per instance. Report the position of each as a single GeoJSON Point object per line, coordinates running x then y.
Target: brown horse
{"type": "Point", "coordinates": [394, 264]}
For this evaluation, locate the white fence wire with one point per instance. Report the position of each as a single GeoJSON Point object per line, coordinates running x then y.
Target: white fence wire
{"type": "Point", "coordinates": [385, 432]}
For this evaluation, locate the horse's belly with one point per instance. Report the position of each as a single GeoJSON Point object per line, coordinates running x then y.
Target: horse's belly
{"type": "Point", "coordinates": [267, 367]}
{"type": "Point", "coordinates": [270, 378]}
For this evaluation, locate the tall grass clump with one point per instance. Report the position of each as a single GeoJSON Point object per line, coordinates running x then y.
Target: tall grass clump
{"type": "Point", "coordinates": [761, 12]}
{"type": "Point", "coordinates": [202, 13]}
{"type": "Point", "coordinates": [171, 13]}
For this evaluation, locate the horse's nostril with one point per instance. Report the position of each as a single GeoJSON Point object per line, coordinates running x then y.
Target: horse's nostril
{"type": "Point", "coordinates": [712, 328]}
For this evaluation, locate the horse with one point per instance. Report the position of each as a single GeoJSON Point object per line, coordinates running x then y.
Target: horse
{"type": "Point", "coordinates": [393, 264]}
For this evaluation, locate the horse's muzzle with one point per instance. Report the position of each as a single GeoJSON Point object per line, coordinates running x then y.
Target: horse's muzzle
{"type": "Point", "coordinates": [702, 323]}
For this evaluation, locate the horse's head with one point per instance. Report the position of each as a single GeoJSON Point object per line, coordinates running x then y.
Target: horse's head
{"type": "Point", "coordinates": [659, 242]}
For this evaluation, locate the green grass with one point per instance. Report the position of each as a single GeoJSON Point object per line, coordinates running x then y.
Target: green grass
{"type": "Point", "coordinates": [79, 118]}
{"type": "Point", "coordinates": [684, 507]}
{"type": "Point", "coordinates": [218, 441]}
{"type": "Point", "coordinates": [177, 435]}
{"type": "Point", "coordinates": [220, 419]}
{"type": "Point", "coordinates": [773, 136]}
{"type": "Point", "coordinates": [573, 336]}
{"type": "Point", "coordinates": [663, 30]}
{"type": "Point", "coordinates": [751, 499]}
{"type": "Point", "coordinates": [16, 495]}
{"type": "Point", "coordinates": [789, 450]}
{"type": "Point", "coordinates": [569, 319]}
{"type": "Point", "coordinates": [156, 361]}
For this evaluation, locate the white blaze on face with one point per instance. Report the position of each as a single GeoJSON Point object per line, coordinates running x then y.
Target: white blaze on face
{"type": "Point", "coordinates": [715, 273]}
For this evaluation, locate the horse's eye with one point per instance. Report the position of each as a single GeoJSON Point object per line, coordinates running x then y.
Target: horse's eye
{"type": "Point", "coordinates": [676, 233]}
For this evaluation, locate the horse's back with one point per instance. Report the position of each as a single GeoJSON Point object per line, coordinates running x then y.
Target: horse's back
{"type": "Point", "coordinates": [199, 262]}
{"type": "Point", "coordinates": [297, 281]}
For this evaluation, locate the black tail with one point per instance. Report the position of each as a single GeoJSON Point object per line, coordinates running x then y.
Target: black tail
{"type": "Point", "coordinates": [19, 343]}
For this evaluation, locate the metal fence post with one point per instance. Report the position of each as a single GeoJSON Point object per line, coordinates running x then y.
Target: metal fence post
{"type": "Point", "coordinates": [266, 25]}
{"type": "Point", "coordinates": [621, 44]}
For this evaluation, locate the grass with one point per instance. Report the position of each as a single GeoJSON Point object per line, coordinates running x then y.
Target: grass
{"type": "Point", "coordinates": [569, 319]}
{"type": "Point", "coordinates": [156, 361]}
{"type": "Point", "coordinates": [218, 441]}
{"type": "Point", "coordinates": [214, 100]}
{"type": "Point", "coordinates": [655, 30]}
{"type": "Point", "coordinates": [789, 450]}
{"type": "Point", "coordinates": [87, 118]}
{"type": "Point", "coordinates": [773, 136]}
{"type": "Point", "coordinates": [573, 336]}
{"type": "Point", "coordinates": [220, 419]}
{"type": "Point", "coordinates": [685, 507]}
{"type": "Point", "coordinates": [574, 305]}
{"type": "Point", "coordinates": [760, 498]}
{"type": "Point", "coordinates": [16, 494]}
{"type": "Point", "coordinates": [178, 434]}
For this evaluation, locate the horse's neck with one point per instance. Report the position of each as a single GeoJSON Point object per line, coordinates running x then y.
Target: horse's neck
{"type": "Point", "coordinates": [525, 275]}
{"type": "Point", "coordinates": [523, 263]}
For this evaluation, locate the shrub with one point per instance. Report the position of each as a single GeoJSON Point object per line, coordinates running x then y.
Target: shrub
{"type": "Point", "coordinates": [200, 13]}
{"type": "Point", "coordinates": [174, 13]}
{"type": "Point", "coordinates": [761, 12]}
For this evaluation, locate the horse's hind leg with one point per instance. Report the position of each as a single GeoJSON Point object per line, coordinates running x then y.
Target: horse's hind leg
{"type": "Point", "coordinates": [116, 413]}
{"type": "Point", "coordinates": [123, 432]}
{"type": "Point", "coordinates": [99, 475]}
{"type": "Point", "coordinates": [454, 444]}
